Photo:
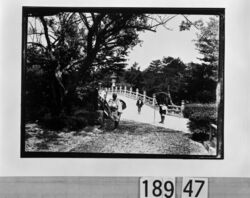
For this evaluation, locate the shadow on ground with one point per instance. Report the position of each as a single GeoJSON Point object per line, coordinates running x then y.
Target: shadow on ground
{"type": "Point", "coordinates": [129, 137]}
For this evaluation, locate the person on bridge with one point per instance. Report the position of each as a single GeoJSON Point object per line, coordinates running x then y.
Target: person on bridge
{"type": "Point", "coordinates": [163, 111]}
{"type": "Point", "coordinates": [116, 109]}
{"type": "Point", "coordinates": [139, 105]}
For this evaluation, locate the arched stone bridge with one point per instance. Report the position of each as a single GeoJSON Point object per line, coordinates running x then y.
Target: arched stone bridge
{"type": "Point", "coordinates": [173, 110]}
{"type": "Point", "coordinates": [150, 111]}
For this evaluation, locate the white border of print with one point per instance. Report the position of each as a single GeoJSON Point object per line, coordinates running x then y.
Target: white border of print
{"type": "Point", "coordinates": [236, 161]}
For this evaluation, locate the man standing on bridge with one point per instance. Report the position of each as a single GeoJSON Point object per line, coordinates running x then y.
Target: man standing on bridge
{"type": "Point", "coordinates": [139, 104]}
{"type": "Point", "coordinates": [116, 109]}
{"type": "Point", "coordinates": [163, 111]}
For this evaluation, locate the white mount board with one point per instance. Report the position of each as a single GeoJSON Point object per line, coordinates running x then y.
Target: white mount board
{"type": "Point", "coordinates": [110, 187]}
{"type": "Point", "coordinates": [237, 97]}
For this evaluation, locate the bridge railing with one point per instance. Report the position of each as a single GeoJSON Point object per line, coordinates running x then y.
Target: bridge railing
{"type": "Point", "coordinates": [174, 110]}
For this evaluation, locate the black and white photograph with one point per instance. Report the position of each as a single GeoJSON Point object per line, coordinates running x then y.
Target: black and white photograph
{"type": "Point", "coordinates": [122, 82]}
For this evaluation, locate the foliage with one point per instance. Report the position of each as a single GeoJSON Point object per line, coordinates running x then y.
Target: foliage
{"type": "Point", "coordinates": [201, 79]}
{"type": "Point", "coordinates": [37, 97]}
{"type": "Point", "coordinates": [90, 116]}
{"type": "Point", "coordinates": [199, 84]}
{"type": "Point", "coordinates": [207, 42]}
{"type": "Point", "coordinates": [134, 76]}
{"type": "Point", "coordinates": [165, 75]}
{"type": "Point", "coordinates": [201, 117]}
{"type": "Point", "coordinates": [191, 109]}
{"type": "Point", "coordinates": [67, 51]}
{"type": "Point", "coordinates": [61, 122]}
{"type": "Point", "coordinates": [76, 121]}
{"type": "Point", "coordinates": [193, 82]}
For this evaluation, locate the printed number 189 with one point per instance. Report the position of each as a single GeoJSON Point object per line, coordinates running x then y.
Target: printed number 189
{"type": "Point", "coordinates": [157, 187]}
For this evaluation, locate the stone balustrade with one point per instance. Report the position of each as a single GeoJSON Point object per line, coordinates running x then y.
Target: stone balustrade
{"type": "Point", "coordinates": [150, 101]}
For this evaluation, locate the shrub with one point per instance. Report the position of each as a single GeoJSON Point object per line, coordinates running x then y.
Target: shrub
{"type": "Point", "coordinates": [76, 123]}
{"type": "Point", "coordinates": [198, 107]}
{"type": "Point", "coordinates": [201, 116]}
{"type": "Point", "coordinates": [204, 115]}
{"type": "Point", "coordinates": [60, 122]}
{"type": "Point", "coordinates": [53, 122]}
{"type": "Point", "coordinates": [206, 96]}
{"type": "Point", "coordinates": [37, 98]}
{"type": "Point", "coordinates": [90, 116]}
{"type": "Point", "coordinates": [200, 137]}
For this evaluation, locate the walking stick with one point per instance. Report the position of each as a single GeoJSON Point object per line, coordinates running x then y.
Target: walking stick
{"type": "Point", "coordinates": [154, 105]}
{"type": "Point", "coordinates": [154, 113]}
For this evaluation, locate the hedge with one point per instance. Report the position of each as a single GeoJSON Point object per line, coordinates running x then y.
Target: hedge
{"type": "Point", "coordinates": [64, 122]}
{"type": "Point", "coordinates": [198, 107]}
{"type": "Point", "coordinates": [201, 116]}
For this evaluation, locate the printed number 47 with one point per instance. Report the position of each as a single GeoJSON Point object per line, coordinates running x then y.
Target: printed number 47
{"type": "Point", "coordinates": [194, 186]}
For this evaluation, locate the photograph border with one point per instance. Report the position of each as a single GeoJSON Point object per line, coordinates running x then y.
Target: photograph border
{"type": "Point", "coordinates": [151, 10]}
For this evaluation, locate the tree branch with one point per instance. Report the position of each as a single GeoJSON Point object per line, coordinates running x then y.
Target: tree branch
{"type": "Point", "coordinates": [84, 20]}
{"type": "Point", "coordinates": [44, 23]}
{"type": "Point", "coordinates": [191, 22]}
{"type": "Point", "coordinates": [162, 21]}
{"type": "Point", "coordinates": [37, 44]}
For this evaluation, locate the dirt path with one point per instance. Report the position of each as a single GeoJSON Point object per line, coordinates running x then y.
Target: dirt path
{"type": "Point", "coordinates": [130, 137]}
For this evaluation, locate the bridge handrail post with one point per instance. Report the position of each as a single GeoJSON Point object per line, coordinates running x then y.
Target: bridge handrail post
{"type": "Point", "coordinates": [116, 88]}
{"type": "Point", "coordinates": [154, 100]}
{"type": "Point", "coordinates": [125, 90]}
{"type": "Point", "coordinates": [136, 93]}
{"type": "Point", "coordinates": [144, 96]}
{"type": "Point", "coordinates": [182, 107]}
{"type": "Point", "coordinates": [130, 92]}
{"type": "Point", "coordinates": [120, 89]}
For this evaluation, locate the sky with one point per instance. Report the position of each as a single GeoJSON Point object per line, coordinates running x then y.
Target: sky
{"type": "Point", "coordinates": [166, 43]}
